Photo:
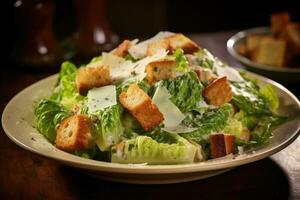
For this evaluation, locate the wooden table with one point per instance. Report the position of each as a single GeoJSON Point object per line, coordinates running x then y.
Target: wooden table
{"type": "Point", "coordinates": [24, 175]}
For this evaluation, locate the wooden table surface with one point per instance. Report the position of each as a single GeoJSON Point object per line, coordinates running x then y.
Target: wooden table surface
{"type": "Point", "coordinates": [24, 175]}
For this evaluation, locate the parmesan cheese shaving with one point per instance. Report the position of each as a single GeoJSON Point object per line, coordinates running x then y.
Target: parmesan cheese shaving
{"type": "Point", "coordinates": [172, 115]}
{"type": "Point", "coordinates": [100, 98]}
{"type": "Point", "coordinates": [139, 51]}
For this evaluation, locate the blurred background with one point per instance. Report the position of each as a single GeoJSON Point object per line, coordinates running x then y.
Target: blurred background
{"type": "Point", "coordinates": [44, 32]}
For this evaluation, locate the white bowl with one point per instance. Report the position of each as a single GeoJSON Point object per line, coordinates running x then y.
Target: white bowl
{"type": "Point", "coordinates": [17, 122]}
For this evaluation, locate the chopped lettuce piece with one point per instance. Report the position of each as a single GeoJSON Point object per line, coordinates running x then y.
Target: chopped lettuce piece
{"type": "Point", "coordinates": [65, 92]}
{"type": "Point", "coordinates": [211, 121]}
{"type": "Point", "coordinates": [268, 92]}
{"type": "Point", "coordinates": [185, 91]}
{"type": "Point", "coordinates": [144, 149]}
{"type": "Point", "coordinates": [204, 59]}
{"type": "Point", "coordinates": [248, 121]}
{"type": "Point", "coordinates": [48, 116]}
{"type": "Point", "coordinates": [95, 60]}
{"type": "Point", "coordinates": [164, 137]}
{"type": "Point", "coordinates": [87, 153]}
{"type": "Point", "coordinates": [124, 86]}
{"type": "Point", "coordinates": [108, 127]}
{"type": "Point", "coordinates": [181, 61]}
{"type": "Point", "coordinates": [263, 131]}
{"type": "Point", "coordinates": [246, 94]}
{"type": "Point", "coordinates": [236, 128]}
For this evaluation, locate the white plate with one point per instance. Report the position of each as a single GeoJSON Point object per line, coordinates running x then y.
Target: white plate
{"type": "Point", "coordinates": [17, 122]}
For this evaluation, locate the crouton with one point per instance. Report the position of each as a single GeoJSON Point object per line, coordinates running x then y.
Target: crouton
{"type": "Point", "coordinates": [122, 49]}
{"type": "Point", "coordinates": [221, 145]}
{"type": "Point", "coordinates": [229, 143]}
{"type": "Point", "coordinates": [271, 52]}
{"type": "Point", "coordinates": [218, 92]}
{"type": "Point", "coordinates": [203, 74]}
{"type": "Point", "coordinates": [180, 41]}
{"type": "Point", "coordinates": [141, 107]}
{"type": "Point", "coordinates": [291, 34]}
{"type": "Point", "coordinates": [217, 145]}
{"type": "Point", "coordinates": [73, 134]}
{"type": "Point", "coordinates": [90, 77]}
{"type": "Point", "coordinates": [278, 22]}
{"type": "Point", "coordinates": [160, 70]}
{"type": "Point", "coordinates": [242, 49]}
{"type": "Point", "coordinates": [253, 43]}
{"type": "Point", "coordinates": [157, 45]}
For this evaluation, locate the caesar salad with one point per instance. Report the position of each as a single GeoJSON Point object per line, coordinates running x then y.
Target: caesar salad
{"type": "Point", "coordinates": [164, 100]}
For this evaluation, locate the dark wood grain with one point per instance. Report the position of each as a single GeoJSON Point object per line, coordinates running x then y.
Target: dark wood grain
{"type": "Point", "coordinates": [24, 175]}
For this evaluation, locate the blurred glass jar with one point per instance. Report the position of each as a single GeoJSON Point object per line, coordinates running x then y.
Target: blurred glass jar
{"type": "Point", "coordinates": [93, 34]}
{"type": "Point", "coordinates": [36, 46]}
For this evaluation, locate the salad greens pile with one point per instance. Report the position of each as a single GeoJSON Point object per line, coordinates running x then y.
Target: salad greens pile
{"type": "Point", "coordinates": [117, 136]}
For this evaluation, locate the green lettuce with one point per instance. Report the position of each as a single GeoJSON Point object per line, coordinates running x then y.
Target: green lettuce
{"type": "Point", "coordinates": [108, 128]}
{"type": "Point", "coordinates": [248, 98]}
{"type": "Point", "coordinates": [248, 121]}
{"type": "Point", "coordinates": [269, 94]}
{"type": "Point", "coordinates": [203, 59]}
{"type": "Point", "coordinates": [48, 116]}
{"type": "Point", "coordinates": [211, 121]}
{"type": "Point", "coordinates": [65, 92]}
{"type": "Point", "coordinates": [185, 91]}
{"type": "Point", "coordinates": [124, 86]}
{"type": "Point", "coordinates": [95, 59]}
{"type": "Point", "coordinates": [181, 61]}
{"type": "Point", "coordinates": [144, 149]}
{"type": "Point", "coordinates": [263, 131]}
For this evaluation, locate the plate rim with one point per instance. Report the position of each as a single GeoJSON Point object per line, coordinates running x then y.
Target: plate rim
{"type": "Point", "coordinates": [249, 63]}
{"type": "Point", "coordinates": [148, 169]}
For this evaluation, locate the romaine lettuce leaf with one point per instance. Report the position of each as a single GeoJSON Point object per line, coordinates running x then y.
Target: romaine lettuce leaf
{"type": "Point", "coordinates": [65, 92]}
{"type": "Point", "coordinates": [124, 86]}
{"type": "Point", "coordinates": [248, 98]}
{"type": "Point", "coordinates": [203, 59]}
{"type": "Point", "coordinates": [268, 92]}
{"type": "Point", "coordinates": [185, 91]}
{"type": "Point", "coordinates": [108, 128]}
{"type": "Point", "coordinates": [48, 116]}
{"type": "Point", "coordinates": [248, 121]}
{"type": "Point", "coordinates": [211, 121]}
{"type": "Point", "coordinates": [263, 131]}
{"type": "Point", "coordinates": [144, 149]}
{"type": "Point", "coordinates": [181, 61]}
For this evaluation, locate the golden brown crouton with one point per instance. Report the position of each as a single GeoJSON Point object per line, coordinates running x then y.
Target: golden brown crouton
{"type": "Point", "coordinates": [218, 92]}
{"type": "Point", "coordinates": [180, 41]}
{"type": "Point", "coordinates": [73, 133]}
{"type": "Point", "coordinates": [278, 22]}
{"type": "Point", "coordinates": [160, 70]}
{"type": "Point", "coordinates": [122, 49]}
{"type": "Point", "coordinates": [90, 77]}
{"type": "Point", "coordinates": [157, 45]}
{"type": "Point", "coordinates": [271, 52]}
{"type": "Point", "coordinates": [141, 107]}
{"type": "Point", "coordinates": [221, 145]}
